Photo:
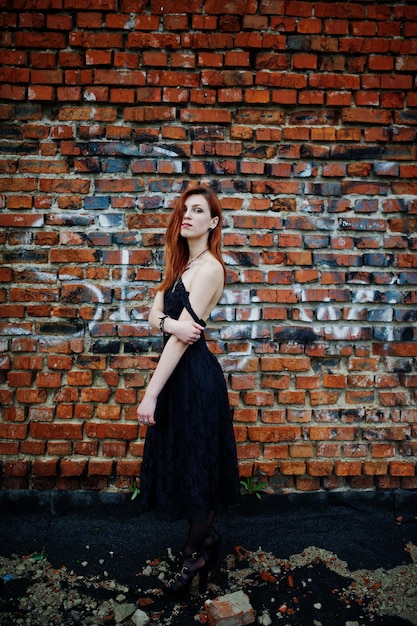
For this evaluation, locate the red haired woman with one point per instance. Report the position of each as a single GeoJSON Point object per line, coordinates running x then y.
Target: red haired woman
{"type": "Point", "coordinates": [189, 463]}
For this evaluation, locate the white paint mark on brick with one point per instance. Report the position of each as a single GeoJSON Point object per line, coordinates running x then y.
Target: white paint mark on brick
{"type": "Point", "coordinates": [89, 96]}
{"type": "Point", "coordinates": [364, 295]}
{"type": "Point", "coordinates": [328, 313]}
{"type": "Point", "coordinates": [122, 314]}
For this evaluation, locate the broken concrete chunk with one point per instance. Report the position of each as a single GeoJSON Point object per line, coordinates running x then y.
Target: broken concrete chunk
{"type": "Point", "coordinates": [232, 609]}
{"type": "Point", "coordinates": [122, 611]}
{"type": "Point", "coordinates": [140, 618]}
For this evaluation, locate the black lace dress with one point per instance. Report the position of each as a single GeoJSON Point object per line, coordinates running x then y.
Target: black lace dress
{"type": "Point", "coordinates": [189, 462]}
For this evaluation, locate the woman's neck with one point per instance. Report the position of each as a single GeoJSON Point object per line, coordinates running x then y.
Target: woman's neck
{"type": "Point", "coordinates": [195, 249]}
{"type": "Point", "coordinates": [195, 258]}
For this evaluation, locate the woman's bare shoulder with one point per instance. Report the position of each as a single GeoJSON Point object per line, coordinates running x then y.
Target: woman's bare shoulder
{"type": "Point", "coordinates": [207, 278]}
{"type": "Point", "coordinates": [211, 270]}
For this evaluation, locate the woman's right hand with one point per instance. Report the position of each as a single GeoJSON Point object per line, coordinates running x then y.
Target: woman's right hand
{"type": "Point", "coordinates": [186, 331]}
{"type": "Point", "coordinates": [146, 410]}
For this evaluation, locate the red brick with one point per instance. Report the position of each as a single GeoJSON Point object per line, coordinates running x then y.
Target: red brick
{"type": "Point", "coordinates": [24, 39]}
{"type": "Point", "coordinates": [277, 364]}
{"type": "Point", "coordinates": [258, 398]}
{"type": "Point", "coordinates": [292, 468]}
{"type": "Point", "coordinates": [30, 396]}
{"type": "Point", "coordinates": [108, 412]}
{"type": "Point", "coordinates": [301, 450]}
{"type": "Point", "coordinates": [245, 415]}
{"type": "Point", "coordinates": [307, 483]}
{"type": "Point", "coordinates": [275, 451]}
{"type": "Point", "coordinates": [83, 411]}
{"type": "Point", "coordinates": [114, 449]}
{"type": "Point", "coordinates": [402, 468]}
{"type": "Point", "coordinates": [327, 433]}
{"type": "Point", "coordinates": [320, 468]}
{"type": "Point", "coordinates": [59, 448]}
{"type": "Point", "coordinates": [95, 395]}
{"type": "Point", "coordinates": [347, 468]}
{"type": "Point", "coordinates": [48, 379]}
{"type": "Point", "coordinates": [17, 468]}
{"type": "Point", "coordinates": [13, 414]}
{"type": "Point", "coordinates": [73, 467]}
{"type": "Point", "coordinates": [128, 468]}
{"type": "Point", "coordinates": [374, 468]}
{"type": "Point", "coordinates": [9, 448]}
{"type": "Point", "coordinates": [41, 413]}
{"type": "Point", "coordinates": [68, 482]}
{"type": "Point", "coordinates": [55, 431]}
{"type": "Point", "coordinates": [19, 379]}
{"type": "Point", "coordinates": [34, 448]}
{"type": "Point", "coordinates": [111, 431]}
{"type": "Point", "coordinates": [86, 448]}
{"type": "Point", "coordinates": [45, 467]}
{"type": "Point", "coordinates": [269, 434]}
{"type": "Point", "coordinates": [27, 361]}
{"type": "Point", "coordinates": [100, 467]}
{"type": "Point", "coordinates": [291, 397]}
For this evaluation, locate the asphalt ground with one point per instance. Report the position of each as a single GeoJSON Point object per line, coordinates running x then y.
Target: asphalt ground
{"type": "Point", "coordinates": [302, 559]}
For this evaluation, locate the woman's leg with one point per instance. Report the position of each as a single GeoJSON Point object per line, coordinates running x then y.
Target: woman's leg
{"type": "Point", "coordinates": [197, 534]}
{"type": "Point", "coordinates": [197, 560]}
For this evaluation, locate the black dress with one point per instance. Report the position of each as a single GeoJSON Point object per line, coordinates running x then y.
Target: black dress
{"type": "Point", "coordinates": [189, 462]}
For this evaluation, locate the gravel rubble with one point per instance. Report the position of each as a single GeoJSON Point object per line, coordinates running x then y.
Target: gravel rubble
{"type": "Point", "coordinates": [34, 593]}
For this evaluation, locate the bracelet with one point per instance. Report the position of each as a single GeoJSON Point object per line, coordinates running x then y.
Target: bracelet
{"type": "Point", "coordinates": [162, 322]}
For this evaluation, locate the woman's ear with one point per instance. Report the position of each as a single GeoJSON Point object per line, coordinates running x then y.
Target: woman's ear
{"type": "Point", "coordinates": [214, 223]}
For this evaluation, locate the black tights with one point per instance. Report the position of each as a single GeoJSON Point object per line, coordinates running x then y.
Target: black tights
{"type": "Point", "coordinates": [198, 535]}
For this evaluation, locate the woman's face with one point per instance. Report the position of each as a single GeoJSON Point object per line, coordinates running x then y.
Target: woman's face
{"type": "Point", "coordinates": [197, 219]}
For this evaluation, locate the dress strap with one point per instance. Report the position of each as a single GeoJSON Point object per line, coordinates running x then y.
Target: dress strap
{"type": "Point", "coordinates": [189, 308]}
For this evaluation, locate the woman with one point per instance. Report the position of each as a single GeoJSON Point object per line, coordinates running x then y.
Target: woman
{"type": "Point", "coordinates": [189, 462]}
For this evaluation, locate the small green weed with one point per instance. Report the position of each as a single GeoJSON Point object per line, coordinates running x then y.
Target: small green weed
{"type": "Point", "coordinates": [251, 486]}
{"type": "Point", "coordinates": [135, 490]}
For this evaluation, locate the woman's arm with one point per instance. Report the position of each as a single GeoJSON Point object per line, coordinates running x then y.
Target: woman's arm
{"type": "Point", "coordinates": [157, 310]}
{"type": "Point", "coordinates": [203, 294]}
{"type": "Point", "coordinates": [185, 328]}
{"type": "Point", "coordinates": [171, 354]}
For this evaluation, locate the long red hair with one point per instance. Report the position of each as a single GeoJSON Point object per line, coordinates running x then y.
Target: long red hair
{"type": "Point", "coordinates": [176, 246]}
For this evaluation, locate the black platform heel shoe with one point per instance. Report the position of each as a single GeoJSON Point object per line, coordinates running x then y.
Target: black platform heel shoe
{"type": "Point", "coordinates": [178, 587]}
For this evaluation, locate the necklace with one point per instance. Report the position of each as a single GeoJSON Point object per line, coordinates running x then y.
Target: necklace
{"type": "Point", "coordinates": [188, 267]}
{"type": "Point", "coordinates": [195, 259]}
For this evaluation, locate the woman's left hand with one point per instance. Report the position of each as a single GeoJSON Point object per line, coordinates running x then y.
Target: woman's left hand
{"type": "Point", "coordinates": [187, 331]}
{"type": "Point", "coordinates": [146, 411]}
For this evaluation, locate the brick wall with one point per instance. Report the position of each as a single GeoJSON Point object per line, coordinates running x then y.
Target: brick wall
{"type": "Point", "coordinates": [303, 115]}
